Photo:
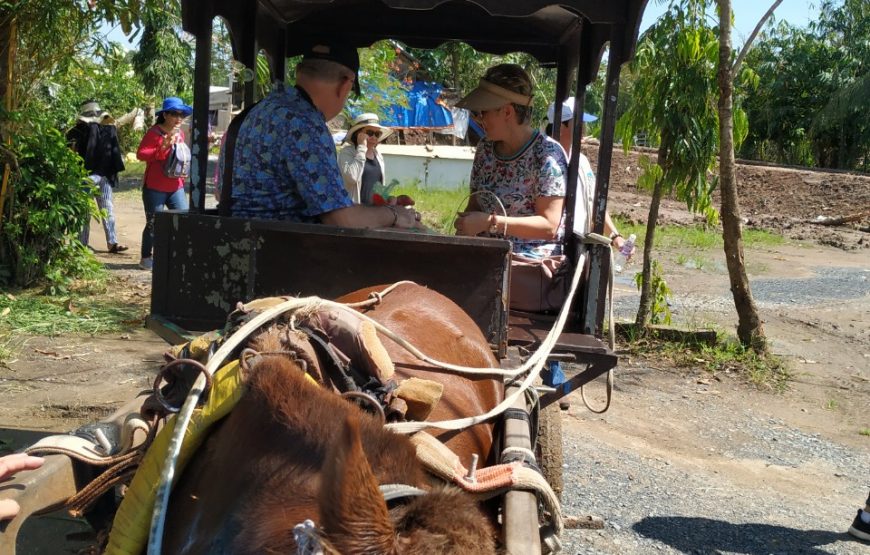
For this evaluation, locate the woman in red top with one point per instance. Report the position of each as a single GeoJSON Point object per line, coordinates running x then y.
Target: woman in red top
{"type": "Point", "coordinates": [160, 191]}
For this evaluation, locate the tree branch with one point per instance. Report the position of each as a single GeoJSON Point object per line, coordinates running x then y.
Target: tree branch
{"type": "Point", "coordinates": [748, 44]}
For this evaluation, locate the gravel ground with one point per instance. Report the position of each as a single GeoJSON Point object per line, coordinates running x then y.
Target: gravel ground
{"type": "Point", "coordinates": [661, 500]}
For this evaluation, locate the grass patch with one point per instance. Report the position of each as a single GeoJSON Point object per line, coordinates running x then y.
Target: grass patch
{"type": "Point", "coordinates": [864, 432]}
{"type": "Point", "coordinates": [133, 170]}
{"type": "Point", "coordinates": [87, 308]}
{"type": "Point", "coordinates": [726, 355]}
{"type": "Point", "coordinates": [438, 208]}
{"type": "Point", "coordinates": [696, 237]}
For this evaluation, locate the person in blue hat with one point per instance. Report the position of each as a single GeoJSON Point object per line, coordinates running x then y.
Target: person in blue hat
{"type": "Point", "coordinates": [284, 165]}
{"type": "Point", "coordinates": [164, 150]}
{"type": "Point", "coordinates": [585, 175]}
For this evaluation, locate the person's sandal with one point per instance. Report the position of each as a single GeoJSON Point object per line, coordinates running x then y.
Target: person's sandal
{"type": "Point", "coordinates": [117, 248]}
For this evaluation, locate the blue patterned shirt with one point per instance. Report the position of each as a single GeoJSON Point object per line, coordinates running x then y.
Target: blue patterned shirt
{"type": "Point", "coordinates": [284, 165]}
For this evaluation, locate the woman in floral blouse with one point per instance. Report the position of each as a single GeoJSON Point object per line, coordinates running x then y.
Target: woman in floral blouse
{"type": "Point", "coordinates": [515, 163]}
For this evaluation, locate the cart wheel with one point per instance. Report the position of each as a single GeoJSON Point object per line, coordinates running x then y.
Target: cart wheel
{"type": "Point", "coordinates": [548, 450]}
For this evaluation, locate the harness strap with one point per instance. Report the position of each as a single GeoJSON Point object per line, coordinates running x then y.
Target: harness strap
{"type": "Point", "coordinates": [488, 482]}
{"type": "Point", "coordinates": [339, 372]}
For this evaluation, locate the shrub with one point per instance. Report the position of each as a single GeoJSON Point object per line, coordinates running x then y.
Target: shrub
{"type": "Point", "coordinates": [51, 199]}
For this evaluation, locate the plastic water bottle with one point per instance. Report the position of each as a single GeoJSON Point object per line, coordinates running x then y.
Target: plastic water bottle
{"type": "Point", "coordinates": [621, 258]}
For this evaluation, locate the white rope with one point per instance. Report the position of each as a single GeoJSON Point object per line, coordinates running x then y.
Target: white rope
{"type": "Point", "coordinates": [182, 419]}
{"type": "Point", "coordinates": [536, 362]}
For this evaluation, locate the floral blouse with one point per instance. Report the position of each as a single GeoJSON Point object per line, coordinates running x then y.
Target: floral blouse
{"type": "Point", "coordinates": [539, 169]}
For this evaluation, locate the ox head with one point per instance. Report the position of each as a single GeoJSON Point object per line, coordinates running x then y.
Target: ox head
{"type": "Point", "coordinates": [356, 520]}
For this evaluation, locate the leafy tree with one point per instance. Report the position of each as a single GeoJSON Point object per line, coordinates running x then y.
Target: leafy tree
{"type": "Point", "coordinates": [674, 70]}
{"type": "Point", "coordinates": [813, 91]}
{"type": "Point", "coordinates": [164, 60]}
{"type": "Point", "coordinates": [749, 326]}
{"type": "Point", "coordinates": [45, 196]}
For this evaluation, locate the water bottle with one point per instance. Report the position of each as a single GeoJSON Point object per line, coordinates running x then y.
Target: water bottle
{"type": "Point", "coordinates": [621, 258]}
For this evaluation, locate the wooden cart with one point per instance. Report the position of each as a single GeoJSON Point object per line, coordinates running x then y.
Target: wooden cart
{"type": "Point", "coordinates": [205, 263]}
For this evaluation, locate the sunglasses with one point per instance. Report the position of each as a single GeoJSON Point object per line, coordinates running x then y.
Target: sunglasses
{"type": "Point", "coordinates": [174, 113]}
{"type": "Point", "coordinates": [372, 133]}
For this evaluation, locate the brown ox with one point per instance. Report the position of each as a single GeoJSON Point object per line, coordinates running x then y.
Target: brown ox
{"type": "Point", "coordinates": [291, 451]}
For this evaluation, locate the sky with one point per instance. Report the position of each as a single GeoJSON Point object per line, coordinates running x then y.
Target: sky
{"type": "Point", "coordinates": [747, 13]}
{"type": "Point", "coordinates": [746, 16]}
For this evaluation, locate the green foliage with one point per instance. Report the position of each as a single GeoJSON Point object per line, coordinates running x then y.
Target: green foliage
{"type": "Point", "coordinates": [52, 200]}
{"type": "Point", "coordinates": [378, 83]}
{"type": "Point", "coordinates": [660, 311]}
{"type": "Point", "coordinates": [459, 66]}
{"type": "Point", "coordinates": [106, 76]}
{"type": "Point", "coordinates": [810, 101]}
{"type": "Point", "coordinates": [675, 86]}
{"type": "Point", "coordinates": [698, 237]}
{"type": "Point", "coordinates": [164, 60]}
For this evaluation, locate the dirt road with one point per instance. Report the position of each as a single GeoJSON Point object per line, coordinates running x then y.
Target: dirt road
{"type": "Point", "coordinates": [684, 462]}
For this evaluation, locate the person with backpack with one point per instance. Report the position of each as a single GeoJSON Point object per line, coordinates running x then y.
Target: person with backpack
{"type": "Point", "coordinates": [167, 159]}
{"type": "Point", "coordinates": [95, 139]}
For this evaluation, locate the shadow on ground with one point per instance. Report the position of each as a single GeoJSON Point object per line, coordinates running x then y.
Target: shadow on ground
{"type": "Point", "coordinates": [704, 535]}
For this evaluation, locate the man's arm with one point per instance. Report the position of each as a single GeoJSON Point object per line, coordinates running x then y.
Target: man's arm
{"type": "Point", "coordinates": [371, 217]}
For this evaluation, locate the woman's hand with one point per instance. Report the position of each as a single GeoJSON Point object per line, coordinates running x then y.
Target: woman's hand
{"type": "Point", "coordinates": [471, 223]}
{"type": "Point", "coordinates": [618, 242]}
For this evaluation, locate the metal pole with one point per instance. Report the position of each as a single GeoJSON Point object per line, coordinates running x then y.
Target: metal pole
{"type": "Point", "coordinates": [199, 126]}
{"type": "Point", "coordinates": [602, 180]}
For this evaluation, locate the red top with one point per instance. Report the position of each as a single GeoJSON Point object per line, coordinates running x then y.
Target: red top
{"type": "Point", "coordinates": [152, 152]}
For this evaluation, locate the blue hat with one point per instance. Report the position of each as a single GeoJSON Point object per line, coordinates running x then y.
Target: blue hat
{"type": "Point", "coordinates": [175, 104]}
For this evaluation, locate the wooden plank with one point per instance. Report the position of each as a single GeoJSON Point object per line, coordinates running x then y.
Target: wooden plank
{"type": "Point", "coordinates": [520, 508]}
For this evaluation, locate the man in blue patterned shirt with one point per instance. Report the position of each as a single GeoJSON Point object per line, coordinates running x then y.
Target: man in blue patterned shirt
{"type": "Point", "coordinates": [285, 165]}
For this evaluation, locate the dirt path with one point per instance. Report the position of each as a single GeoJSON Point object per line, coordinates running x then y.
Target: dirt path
{"type": "Point", "coordinates": [683, 462]}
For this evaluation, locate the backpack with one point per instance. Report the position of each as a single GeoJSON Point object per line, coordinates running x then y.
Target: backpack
{"type": "Point", "coordinates": [177, 164]}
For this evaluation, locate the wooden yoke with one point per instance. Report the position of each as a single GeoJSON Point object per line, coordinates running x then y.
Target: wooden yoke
{"type": "Point", "coordinates": [48, 487]}
{"type": "Point", "coordinates": [36, 491]}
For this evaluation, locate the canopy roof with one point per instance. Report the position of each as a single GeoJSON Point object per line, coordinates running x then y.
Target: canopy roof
{"type": "Point", "coordinates": [537, 27]}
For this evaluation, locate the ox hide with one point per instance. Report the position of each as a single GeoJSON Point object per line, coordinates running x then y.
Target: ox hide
{"type": "Point", "coordinates": [291, 451]}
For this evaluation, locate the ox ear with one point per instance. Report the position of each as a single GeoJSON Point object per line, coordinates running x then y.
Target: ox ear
{"type": "Point", "coordinates": [354, 513]}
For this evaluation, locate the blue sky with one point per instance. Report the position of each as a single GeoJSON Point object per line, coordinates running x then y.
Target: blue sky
{"type": "Point", "coordinates": [746, 15]}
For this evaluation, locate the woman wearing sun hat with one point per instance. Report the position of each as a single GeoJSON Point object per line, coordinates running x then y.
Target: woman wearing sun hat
{"type": "Point", "coordinates": [516, 163]}
{"type": "Point", "coordinates": [159, 190]}
{"type": "Point", "coordinates": [362, 166]}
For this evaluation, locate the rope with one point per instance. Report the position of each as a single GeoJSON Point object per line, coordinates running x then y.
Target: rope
{"type": "Point", "coordinates": [158, 516]}
{"type": "Point", "coordinates": [533, 365]}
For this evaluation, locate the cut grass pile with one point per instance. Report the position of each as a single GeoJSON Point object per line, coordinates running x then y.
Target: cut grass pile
{"type": "Point", "coordinates": [87, 307]}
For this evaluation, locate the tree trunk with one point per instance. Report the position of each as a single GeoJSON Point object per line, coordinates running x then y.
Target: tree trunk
{"type": "Point", "coordinates": [643, 309]}
{"type": "Point", "coordinates": [749, 327]}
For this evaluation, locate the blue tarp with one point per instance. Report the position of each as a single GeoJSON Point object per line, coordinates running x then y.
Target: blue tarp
{"type": "Point", "coordinates": [422, 112]}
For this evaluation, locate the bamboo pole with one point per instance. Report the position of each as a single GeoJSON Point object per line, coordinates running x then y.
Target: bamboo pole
{"type": "Point", "coordinates": [8, 102]}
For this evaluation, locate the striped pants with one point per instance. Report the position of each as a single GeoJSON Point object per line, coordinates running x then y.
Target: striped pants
{"type": "Point", "coordinates": [104, 201]}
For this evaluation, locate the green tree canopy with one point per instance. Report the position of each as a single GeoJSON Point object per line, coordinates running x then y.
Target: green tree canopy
{"type": "Point", "coordinates": [812, 98]}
